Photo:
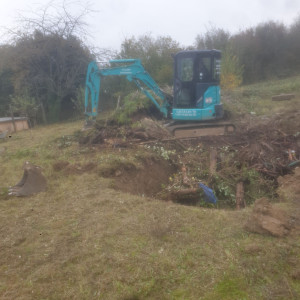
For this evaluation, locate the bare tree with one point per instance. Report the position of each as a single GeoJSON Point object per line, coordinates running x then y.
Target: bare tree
{"type": "Point", "coordinates": [54, 18]}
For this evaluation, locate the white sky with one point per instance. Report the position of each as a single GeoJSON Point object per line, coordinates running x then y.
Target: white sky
{"type": "Point", "coordinates": [114, 20]}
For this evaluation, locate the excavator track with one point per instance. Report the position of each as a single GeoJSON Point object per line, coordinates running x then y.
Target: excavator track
{"type": "Point", "coordinates": [194, 130]}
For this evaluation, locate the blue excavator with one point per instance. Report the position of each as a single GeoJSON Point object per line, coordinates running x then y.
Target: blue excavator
{"type": "Point", "coordinates": [195, 107]}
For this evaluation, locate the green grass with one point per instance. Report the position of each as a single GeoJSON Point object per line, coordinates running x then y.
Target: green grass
{"type": "Point", "coordinates": [257, 98]}
{"type": "Point", "coordinates": [83, 240]}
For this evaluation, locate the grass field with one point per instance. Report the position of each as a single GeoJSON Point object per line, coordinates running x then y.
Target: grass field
{"type": "Point", "coordinates": [82, 239]}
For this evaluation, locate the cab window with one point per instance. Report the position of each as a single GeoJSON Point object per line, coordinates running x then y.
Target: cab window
{"type": "Point", "coordinates": [185, 69]}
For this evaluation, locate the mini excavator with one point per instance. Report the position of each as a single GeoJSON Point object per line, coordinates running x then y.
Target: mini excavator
{"type": "Point", "coordinates": [195, 108]}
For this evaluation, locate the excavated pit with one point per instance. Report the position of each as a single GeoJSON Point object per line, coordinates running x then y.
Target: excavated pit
{"type": "Point", "coordinates": [147, 179]}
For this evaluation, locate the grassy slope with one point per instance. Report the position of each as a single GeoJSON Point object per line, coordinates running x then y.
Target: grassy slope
{"type": "Point", "coordinates": [82, 240]}
{"type": "Point", "coordinates": [257, 98]}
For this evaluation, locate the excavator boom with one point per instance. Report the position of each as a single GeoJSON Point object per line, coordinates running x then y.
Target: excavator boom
{"type": "Point", "coordinates": [133, 70]}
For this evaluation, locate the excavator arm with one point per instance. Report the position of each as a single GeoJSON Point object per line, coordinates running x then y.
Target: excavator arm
{"type": "Point", "coordinates": [133, 70]}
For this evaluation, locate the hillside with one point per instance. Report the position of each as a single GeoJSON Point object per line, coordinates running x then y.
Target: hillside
{"type": "Point", "coordinates": [103, 229]}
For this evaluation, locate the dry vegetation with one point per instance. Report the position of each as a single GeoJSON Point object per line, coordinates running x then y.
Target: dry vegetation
{"type": "Point", "coordinates": [84, 238]}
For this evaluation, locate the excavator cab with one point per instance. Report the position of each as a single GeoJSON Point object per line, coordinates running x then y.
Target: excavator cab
{"type": "Point", "coordinates": [197, 85]}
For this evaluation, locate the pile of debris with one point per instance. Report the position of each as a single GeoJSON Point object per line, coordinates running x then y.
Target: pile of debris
{"type": "Point", "coordinates": [112, 135]}
{"type": "Point", "coordinates": [269, 150]}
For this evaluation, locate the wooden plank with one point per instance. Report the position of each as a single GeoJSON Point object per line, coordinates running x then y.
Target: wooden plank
{"type": "Point", "coordinates": [283, 97]}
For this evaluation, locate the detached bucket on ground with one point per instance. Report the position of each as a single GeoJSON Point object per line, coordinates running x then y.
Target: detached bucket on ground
{"type": "Point", "coordinates": [32, 182]}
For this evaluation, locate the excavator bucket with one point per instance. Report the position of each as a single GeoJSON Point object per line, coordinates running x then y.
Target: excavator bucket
{"type": "Point", "coordinates": [32, 182]}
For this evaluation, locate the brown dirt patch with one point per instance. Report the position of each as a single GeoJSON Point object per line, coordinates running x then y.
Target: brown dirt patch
{"type": "Point", "coordinates": [147, 179]}
{"type": "Point", "coordinates": [267, 219]}
{"type": "Point", "coordinates": [289, 190]}
{"type": "Point", "coordinates": [69, 169]}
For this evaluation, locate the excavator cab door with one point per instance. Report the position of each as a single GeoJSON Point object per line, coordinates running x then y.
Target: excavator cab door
{"type": "Point", "coordinates": [196, 84]}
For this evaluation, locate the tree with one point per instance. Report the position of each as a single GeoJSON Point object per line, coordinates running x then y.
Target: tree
{"type": "Point", "coordinates": [232, 70]}
{"type": "Point", "coordinates": [271, 49]}
{"type": "Point", "coordinates": [214, 38]}
{"type": "Point", "coordinates": [262, 51]}
{"type": "Point", "coordinates": [6, 77]}
{"type": "Point", "coordinates": [49, 58]}
{"type": "Point", "coordinates": [155, 54]}
{"type": "Point", "coordinates": [293, 57]}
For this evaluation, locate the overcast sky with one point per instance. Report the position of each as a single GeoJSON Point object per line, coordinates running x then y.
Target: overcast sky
{"type": "Point", "coordinates": [114, 20]}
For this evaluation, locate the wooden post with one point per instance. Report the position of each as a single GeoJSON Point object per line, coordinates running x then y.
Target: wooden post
{"type": "Point", "coordinates": [213, 161]}
{"type": "Point", "coordinates": [13, 118]}
{"type": "Point", "coordinates": [283, 97]}
{"type": "Point", "coordinates": [239, 196]}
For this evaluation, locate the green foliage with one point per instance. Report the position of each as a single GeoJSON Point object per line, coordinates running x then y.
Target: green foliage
{"type": "Point", "coordinates": [155, 54]}
{"type": "Point", "coordinates": [232, 172]}
{"type": "Point", "coordinates": [224, 191]}
{"type": "Point", "coordinates": [230, 288]}
{"type": "Point", "coordinates": [133, 103]}
{"type": "Point", "coordinates": [214, 38]}
{"type": "Point", "coordinates": [78, 100]}
{"type": "Point", "coordinates": [50, 68]}
{"type": "Point", "coordinates": [268, 50]}
{"type": "Point", "coordinates": [232, 71]}
{"type": "Point", "coordinates": [48, 59]}
{"type": "Point", "coordinates": [6, 89]}
{"type": "Point", "coordinates": [25, 105]}
{"type": "Point", "coordinates": [161, 151]}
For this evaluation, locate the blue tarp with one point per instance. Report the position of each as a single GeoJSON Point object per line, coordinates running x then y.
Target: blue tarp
{"type": "Point", "coordinates": [208, 194]}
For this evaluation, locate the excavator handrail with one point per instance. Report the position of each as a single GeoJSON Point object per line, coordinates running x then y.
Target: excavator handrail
{"type": "Point", "coordinates": [134, 71]}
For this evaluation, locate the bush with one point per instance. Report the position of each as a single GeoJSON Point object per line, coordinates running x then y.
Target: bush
{"type": "Point", "coordinates": [232, 71]}
{"type": "Point", "coordinates": [133, 103]}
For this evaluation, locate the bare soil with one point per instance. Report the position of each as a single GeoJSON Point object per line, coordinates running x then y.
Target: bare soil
{"type": "Point", "coordinates": [147, 179]}
{"type": "Point", "coordinates": [69, 169]}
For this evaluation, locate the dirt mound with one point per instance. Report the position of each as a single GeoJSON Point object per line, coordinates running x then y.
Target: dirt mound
{"type": "Point", "coordinates": [267, 219]}
{"type": "Point", "coordinates": [289, 190]}
{"type": "Point", "coordinates": [289, 186]}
